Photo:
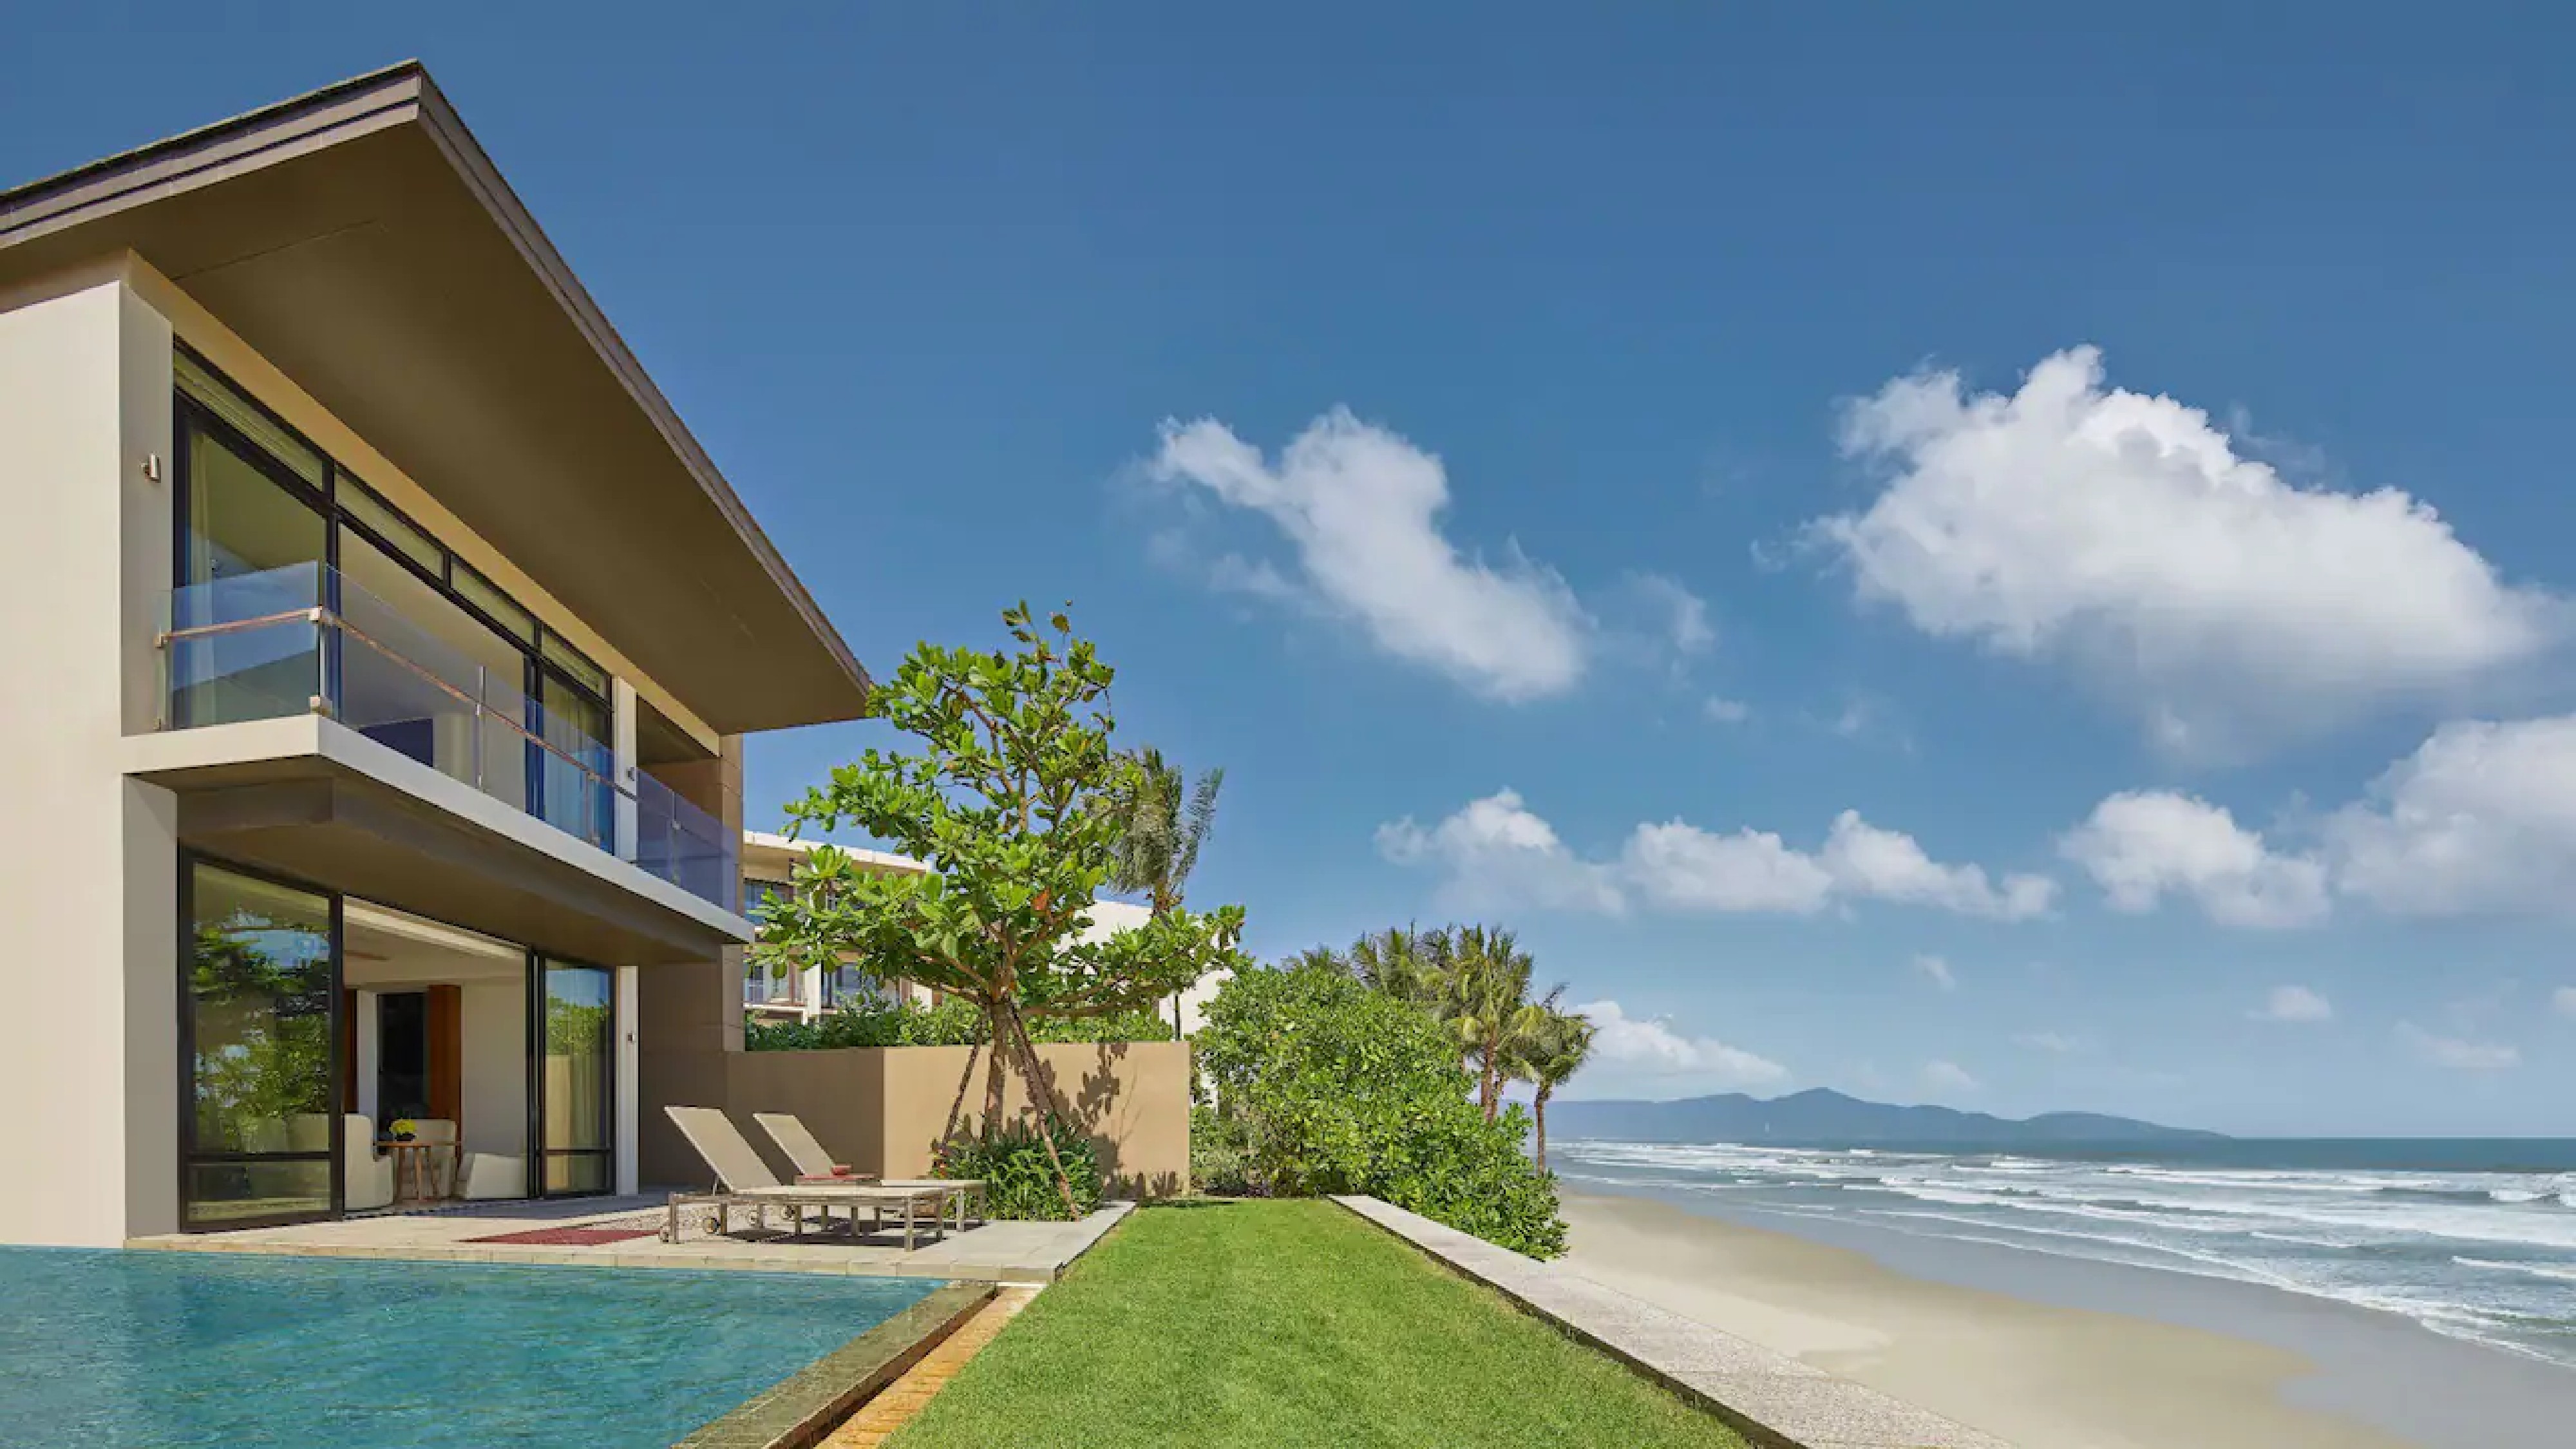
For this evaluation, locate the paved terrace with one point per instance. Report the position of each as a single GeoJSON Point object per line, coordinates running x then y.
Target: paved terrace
{"type": "Point", "coordinates": [995, 1252]}
{"type": "Point", "coordinates": [1774, 1401]}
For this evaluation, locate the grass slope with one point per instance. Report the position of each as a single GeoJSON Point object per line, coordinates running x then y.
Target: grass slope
{"type": "Point", "coordinates": [1277, 1323]}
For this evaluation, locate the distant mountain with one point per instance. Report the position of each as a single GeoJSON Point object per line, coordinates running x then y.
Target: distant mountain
{"type": "Point", "coordinates": [1825, 1117]}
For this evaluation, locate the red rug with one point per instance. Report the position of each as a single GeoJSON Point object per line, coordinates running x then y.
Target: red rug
{"type": "Point", "coordinates": [568, 1237]}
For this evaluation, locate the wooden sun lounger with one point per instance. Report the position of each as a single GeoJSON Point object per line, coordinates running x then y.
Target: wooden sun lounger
{"type": "Point", "coordinates": [743, 1180]}
{"type": "Point", "coordinates": [816, 1166]}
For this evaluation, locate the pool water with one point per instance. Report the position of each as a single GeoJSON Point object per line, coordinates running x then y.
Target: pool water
{"type": "Point", "coordinates": [127, 1350]}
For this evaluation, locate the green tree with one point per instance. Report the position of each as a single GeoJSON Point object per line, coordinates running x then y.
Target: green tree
{"type": "Point", "coordinates": [1548, 1047]}
{"type": "Point", "coordinates": [1407, 963]}
{"type": "Point", "coordinates": [1164, 821]}
{"type": "Point", "coordinates": [1008, 796]}
{"type": "Point", "coordinates": [1486, 998]}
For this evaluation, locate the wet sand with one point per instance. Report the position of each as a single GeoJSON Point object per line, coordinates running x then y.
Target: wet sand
{"type": "Point", "coordinates": [2052, 1354]}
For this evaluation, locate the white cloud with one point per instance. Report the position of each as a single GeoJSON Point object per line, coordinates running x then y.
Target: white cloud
{"type": "Point", "coordinates": [1684, 614]}
{"type": "Point", "coordinates": [1650, 1045]}
{"type": "Point", "coordinates": [1884, 864]}
{"type": "Point", "coordinates": [1496, 851]}
{"type": "Point", "coordinates": [2563, 1001]}
{"type": "Point", "coordinates": [2054, 1043]}
{"type": "Point", "coordinates": [2144, 845]}
{"type": "Point", "coordinates": [1937, 971]}
{"type": "Point", "coordinates": [2293, 1004]}
{"type": "Point", "coordinates": [1948, 1077]}
{"type": "Point", "coordinates": [1727, 711]}
{"type": "Point", "coordinates": [2128, 534]}
{"type": "Point", "coordinates": [1360, 507]}
{"type": "Point", "coordinates": [2457, 1053]}
{"type": "Point", "coordinates": [2482, 817]}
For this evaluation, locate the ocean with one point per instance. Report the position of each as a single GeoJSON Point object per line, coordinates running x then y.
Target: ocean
{"type": "Point", "coordinates": [2473, 1239]}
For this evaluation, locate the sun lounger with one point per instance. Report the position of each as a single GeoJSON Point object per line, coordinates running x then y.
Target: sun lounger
{"type": "Point", "coordinates": [743, 1180]}
{"type": "Point", "coordinates": [813, 1164]}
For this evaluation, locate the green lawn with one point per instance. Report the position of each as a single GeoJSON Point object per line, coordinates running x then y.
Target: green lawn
{"type": "Point", "coordinates": [1286, 1323]}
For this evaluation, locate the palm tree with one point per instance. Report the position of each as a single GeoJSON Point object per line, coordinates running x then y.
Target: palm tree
{"type": "Point", "coordinates": [1548, 1046]}
{"type": "Point", "coordinates": [1405, 962]}
{"type": "Point", "coordinates": [1487, 1003]}
{"type": "Point", "coordinates": [1167, 822]}
{"type": "Point", "coordinates": [1318, 958]}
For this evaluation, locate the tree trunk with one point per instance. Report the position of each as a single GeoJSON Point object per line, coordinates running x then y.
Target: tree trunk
{"type": "Point", "coordinates": [1492, 1097]}
{"type": "Point", "coordinates": [996, 1043]}
{"type": "Point", "coordinates": [957, 1104]}
{"type": "Point", "coordinates": [1042, 1093]}
{"type": "Point", "coordinates": [1541, 1110]}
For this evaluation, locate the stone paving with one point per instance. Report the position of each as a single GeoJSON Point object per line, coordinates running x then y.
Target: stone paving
{"type": "Point", "coordinates": [1773, 1400]}
{"type": "Point", "coordinates": [996, 1252]}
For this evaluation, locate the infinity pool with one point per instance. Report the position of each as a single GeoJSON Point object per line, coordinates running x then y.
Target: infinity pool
{"type": "Point", "coordinates": [148, 1350]}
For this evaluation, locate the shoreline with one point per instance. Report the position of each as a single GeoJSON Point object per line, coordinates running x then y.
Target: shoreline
{"type": "Point", "coordinates": [2064, 1353]}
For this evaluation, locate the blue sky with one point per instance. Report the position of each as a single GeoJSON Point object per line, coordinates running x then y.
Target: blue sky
{"type": "Point", "coordinates": [1559, 467]}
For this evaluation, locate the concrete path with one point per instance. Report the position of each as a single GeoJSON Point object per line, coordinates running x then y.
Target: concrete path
{"type": "Point", "coordinates": [1772, 1400]}
{"type": "Point", "coordinates": [997, 1252]}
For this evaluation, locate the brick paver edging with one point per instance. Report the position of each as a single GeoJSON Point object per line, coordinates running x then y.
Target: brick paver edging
{"type": "Point", "coordinates": [1773, 1401]}
{"type": "Point", "coordinates": [806, 1406]}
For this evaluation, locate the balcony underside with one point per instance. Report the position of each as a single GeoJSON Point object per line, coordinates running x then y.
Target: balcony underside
{"type": "Point", "coordinates": [310, 798]}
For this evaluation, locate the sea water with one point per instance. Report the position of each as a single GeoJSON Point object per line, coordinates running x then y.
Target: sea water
{"type": "Point", "coordinates": [2475, 1239]}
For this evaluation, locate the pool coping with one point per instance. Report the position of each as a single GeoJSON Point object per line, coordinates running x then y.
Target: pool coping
{"type": "Point", "coordinates": [801, 1409]}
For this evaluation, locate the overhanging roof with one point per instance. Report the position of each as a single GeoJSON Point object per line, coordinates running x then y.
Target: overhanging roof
{"type": "Point", "coordinates": [359, 238]}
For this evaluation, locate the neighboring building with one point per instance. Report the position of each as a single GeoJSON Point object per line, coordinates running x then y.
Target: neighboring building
{"type": "Point", "coordinates": [380, 647]}
{"type": "Point", "coordinates": [768, 867]}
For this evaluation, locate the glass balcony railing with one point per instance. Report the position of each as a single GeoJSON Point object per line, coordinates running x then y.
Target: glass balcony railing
{"type": "Point", "coordinates": [304, 639]}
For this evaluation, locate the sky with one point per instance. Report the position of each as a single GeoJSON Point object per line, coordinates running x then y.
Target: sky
{"type": "Point", "coordinates": [1969, 554]}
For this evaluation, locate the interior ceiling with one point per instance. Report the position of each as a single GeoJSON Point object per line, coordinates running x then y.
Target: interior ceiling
{"type": "Point", "coordinates": [374, 270]}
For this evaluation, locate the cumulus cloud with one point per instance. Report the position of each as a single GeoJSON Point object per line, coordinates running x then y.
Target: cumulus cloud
{"type": "Point", "coordinates": [2563, 1001]}
{"type": "Point", "coordinates": [2056, 1044]}
{"type": "Point", "coordinates": [1496, 851]}
{"type": "Point", "coordinates": [2143, 846]}
{"type": "Point", "coordinates": [1727, 711]}
{"type": "Point", "coordinates": [1937, 971]}
{"type": "Point", "coordinates": [1682, 615]}
{"type": "Point", "coordinates": [2293, 1004]}
{"type": "Point", "coordinates": [2481, 818]}
{"type": "Point", "coordinates": [1650, 1045]}
{"type": "Point", "coordinates": [1948, 1077]}
{"type": "Point", "coordinates": [2129, 535]}
{"type": "Point", "coordinates": [2456, 1053]}
{"type": "Point", "coordinates": [1360, 509]}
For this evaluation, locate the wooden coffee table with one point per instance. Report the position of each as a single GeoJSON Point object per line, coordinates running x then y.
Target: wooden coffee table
{"type": "Point", "coordinates": [415, 1156]}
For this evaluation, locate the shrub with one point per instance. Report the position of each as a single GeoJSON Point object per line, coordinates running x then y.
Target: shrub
{"type": "Point", "coordinates": [1331, 1087]}
{"type": "Point", "coordinates": [1018, 1181]}
{"type": "Point", "coordinates": [1220, 1154]}
{"type": "Point", "coordinates": [953, 1022]}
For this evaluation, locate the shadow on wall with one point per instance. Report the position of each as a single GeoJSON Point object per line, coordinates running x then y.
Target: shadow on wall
{"type": "Point", "coordinates": [880, 1109]}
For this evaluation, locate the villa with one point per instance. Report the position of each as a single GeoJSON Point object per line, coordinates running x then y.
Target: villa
{"type": "Point", "coordinates": [381, 649]}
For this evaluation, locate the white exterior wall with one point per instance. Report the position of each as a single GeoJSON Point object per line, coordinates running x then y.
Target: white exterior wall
{"type": "Point", "coordinates": [88, 867]}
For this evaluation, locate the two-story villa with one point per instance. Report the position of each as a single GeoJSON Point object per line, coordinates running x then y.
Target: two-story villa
{"type": "Point", "coordinates": [378, 648]}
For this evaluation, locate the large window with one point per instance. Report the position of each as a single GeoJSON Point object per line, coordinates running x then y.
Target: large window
{"type": "Point", "coordinates": [577, 1076]}
{"type": "Point", "coordinates": [269, 525]}
{"type": "Point", "coordinates": [259, 1045]}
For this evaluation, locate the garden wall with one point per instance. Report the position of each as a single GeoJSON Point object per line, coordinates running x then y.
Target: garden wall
{"type": "Point", "coordinates": [880, 1109]}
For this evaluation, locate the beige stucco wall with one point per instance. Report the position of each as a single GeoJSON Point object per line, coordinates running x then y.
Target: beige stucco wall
{"type": "Point", "coordinates": [88, 1143]}
{"type": "Point", "coordinates": [880, 1109]}
{"type": "Point", "coordinates": [495, 1050]}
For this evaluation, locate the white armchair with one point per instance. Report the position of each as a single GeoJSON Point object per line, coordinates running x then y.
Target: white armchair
{"type": "Point", "coordinates": [491, 1176]}
{"type": "Point", "coordinates": [367, 1176]}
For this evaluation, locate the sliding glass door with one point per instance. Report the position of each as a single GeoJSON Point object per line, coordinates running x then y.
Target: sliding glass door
{"type": "Point", "coordinates": [260, 1047]}
{"type": "Point", "coordinates": [576, 1070]}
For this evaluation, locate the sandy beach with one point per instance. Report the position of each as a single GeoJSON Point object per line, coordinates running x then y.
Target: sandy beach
{"type": "Point", "coordinates": [2046, 1376]}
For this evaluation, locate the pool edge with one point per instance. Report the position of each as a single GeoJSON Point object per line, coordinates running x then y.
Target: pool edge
{"type": "Point", "coordinates": [802, 1408]}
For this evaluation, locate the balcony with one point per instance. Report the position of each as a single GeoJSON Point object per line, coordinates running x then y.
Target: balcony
{"type": "Point", "coordinates": [304, 640]}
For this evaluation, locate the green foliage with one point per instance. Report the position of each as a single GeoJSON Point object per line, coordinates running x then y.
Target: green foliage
{"type": "Point", "coordinates": [1220, 1154]}
{"type": "Point", "coordinates": [1338, 1088]}
{"type": "Point", "coordinates": [953, 1022]}
{"type": "Point", "coordinates": [1019, 1183]}
{"type": "Point", "coordinates": [1548, 1047]}
{"type": "Point", "coordinates": [1164, 822]}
